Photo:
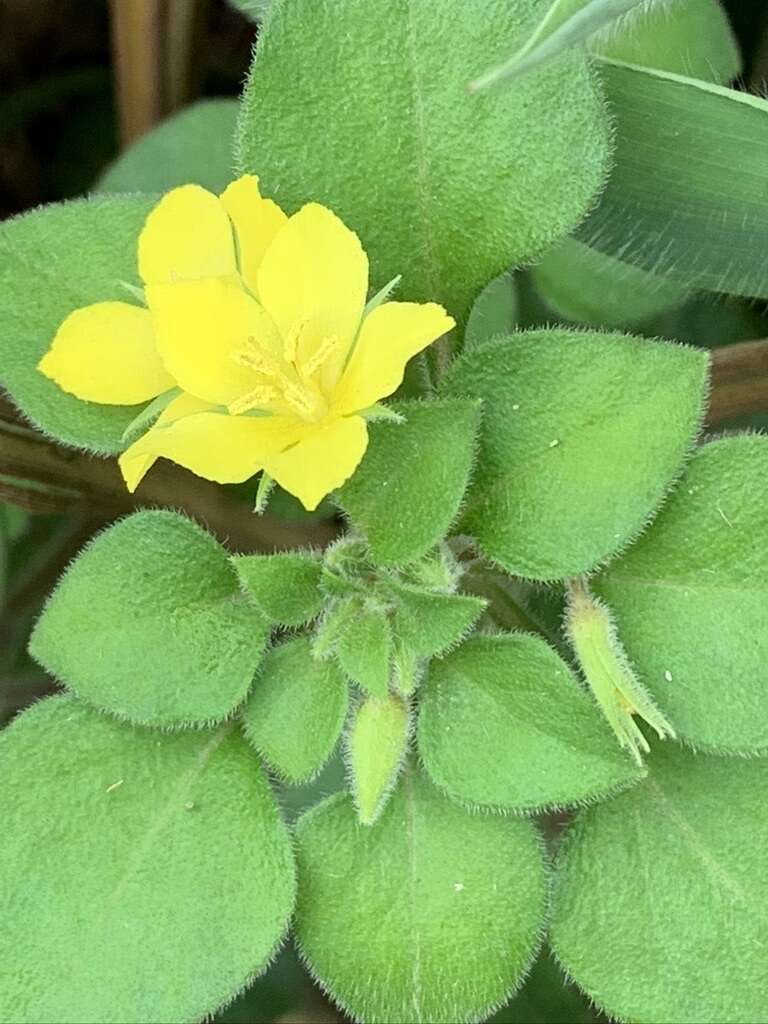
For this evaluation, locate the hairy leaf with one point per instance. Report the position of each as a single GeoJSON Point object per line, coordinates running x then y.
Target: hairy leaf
{"type": "Point", "coordinates": [691, 37]}
{"type": "Point", "coordinates": [428, 624]}
{"type": "Point", "coordinates": [432, 914]}
{"type": "Point", "coordinates": [390, 153]}
{"type": "Point", "coordinates": [677, 203]}
{"type": "Point", "coordinates": [407, 491]}
{"type": "Point", "coordinates": [504, 723]}
{"type": "Point", "coordinates": [285, 586]}
{"type": "Point", "coordinates": [586, 286]}
{"type": "Point", "coordinates": [583, 433]}
{"type": "Point", "coordinates": [149, 623]}
{"type": "Point", "coordinates": [194, 145]}
{"type": "Point", "coordinates": [494, 312]}
{"type": "Point", "coordinates": [125, 897]}
{"type": "Point", "coordinates": [660, 900]}
{"type": "Point", "coordinates": [690, 599]}
{"type": "Point", "coordinates": [296, 711]}
{"type": "Point", "coordinates": [365, 649]}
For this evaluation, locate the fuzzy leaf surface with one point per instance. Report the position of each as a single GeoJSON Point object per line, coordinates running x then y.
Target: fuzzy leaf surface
{"type": "Point", "coordinates": [691, 599]}
{"type": "Point", "coordinates": [149, 623]}
{"type": "Point", "coordinates": [432, 914]}
{"type": "Point", "coordinates": [428, 623]}
{"type": "Point", "coordinates": [285, 586]}
{"type": "Point", "coordinates": [390, 153]}
{"type": "Point", "coordinates": [582, 435]}
{"type": "Point", "coordinates": [376, 747]}
{"type": "Point", "coordinates": [365, 650]}
{"type": "Point", "coordinates": [194, 145]}
{"type": "Point", "coordinates": [406, 493]}
{"type": "Point", "coordinates": [504, 723]}
{"type": "Point", "coordinates": [296, 710]}
{"type": "Point", "coordinates": [52, 261]}
{"type": "Point", "coordinates": [125, 897]}
{"type": "Point", "coordinates": [660, 905]}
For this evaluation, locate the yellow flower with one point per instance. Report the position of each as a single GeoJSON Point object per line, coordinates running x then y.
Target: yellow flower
{"type": "Point", "coordinates": [257, 344]}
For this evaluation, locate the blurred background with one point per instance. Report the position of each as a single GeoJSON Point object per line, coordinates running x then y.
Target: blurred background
{"type": "Point", "coordinates": [79, 81]}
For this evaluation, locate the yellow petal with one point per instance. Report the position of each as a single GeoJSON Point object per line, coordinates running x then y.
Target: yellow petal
{"type": "Point", "coordinates": [214, 445]}
{"type": "Point", "coordinates": [137, 460]}
{"type": "Point", "coordinates": [389, 337]}
{"type": "Point", "coordinates": [313, 280]}
{"type": "Point", "coordinates": [201, 326]}
{"type": "Point", "coordinates": [322, 461]}
{"type": "Point", "coordinates": [257, 221]}
{"type": "Point", "coordinates": [106, 353]}
{"type": "Point", "coordinates": [187, 235]}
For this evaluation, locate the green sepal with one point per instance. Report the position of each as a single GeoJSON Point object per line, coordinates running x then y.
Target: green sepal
{"type": "Point", "coordinates": [150, 624]}
{"type": "Point", "coordinates": [296, 710]}
{"type": "Point", "coordinates": [619, 693]}
{"type": "Point", "coordinates": [406, 493]}
{"type": "Point", "coordinates": [149, 414]}
{"type": "Point", "coordinates": [365, 649]}
{"type": "Point", "coordinates": [331, 625]}
{"type": "Point", "coordinates": [376, 749]}
{"type": "Point", "coordinates": [285, 586]}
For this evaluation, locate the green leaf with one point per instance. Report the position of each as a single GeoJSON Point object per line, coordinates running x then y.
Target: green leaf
{"type": "Point", "coordinates": [427, 623]}
{"type": "Point", "coordinates": [563, 481]}
{"type": "Point", "coordinates": [690, 37]}
{"type": "Point", "coordinates": [494, 312]}
{"type": "Point", "coordinates": [256, 10]}
{"type": "Point", "coordinates": [144, 877]}
{"type": "Point", "coordinates": [390, 153]}
{"type": "Point", "coordinates": [285, 587]}
{"type": "Point", "coordinates": [365, 649]}
{"type": "Point", "coordinates": [505, 724]}
{"type": "Point", "coordinates": [149, 623]}
{"type": "Point", "coordinates": [563, 25]}
{"type": "Point", "coordinates": [194, 145]}
{"type": "Point", "coordinates": [675, 178]}
{"type": "Point", "coordinates": [296, 710]}
{"type": "Point", "coordinates": [690, 599]}
{"type": "Point", "coordinates": [432, 915]}
{"type": "Point", "coordinates": [376, 748]}
{"type": "Point", "coordinates": [406, 493]}
{"type": "Point", "coordinates": [589, 287]}
{"type": "Point", "coordinates": [660, 903]}
{"type": "Point", "coordinates": [52, 261]}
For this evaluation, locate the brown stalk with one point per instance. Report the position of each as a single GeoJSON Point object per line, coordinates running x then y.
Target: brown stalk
{"type": "Point", "coordinates": [739, 381]}
{"type": "Point", "coordinates": [44, 477]}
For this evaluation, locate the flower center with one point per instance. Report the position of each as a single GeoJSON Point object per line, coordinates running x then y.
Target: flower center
{"type": "Point", "coordinates": [284, 384]}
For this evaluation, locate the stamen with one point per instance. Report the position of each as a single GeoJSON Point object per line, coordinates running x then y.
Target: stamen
{"type": "Point", "coordinates": [259, 397]}
{"type": "Point", "coordinates": [291, 343]}
{"type": "Point", "coordinates": [327, 347]}
{"type": "Point", "coordinates": [299, 399]}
